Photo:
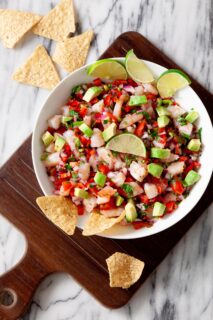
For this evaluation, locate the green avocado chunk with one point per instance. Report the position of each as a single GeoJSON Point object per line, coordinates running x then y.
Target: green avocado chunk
{"type": "Point", "coordinates": [163, 121]}
{"type": "Point", "coordinates": [194, 145]}
{"type": "Point", "coordinates": [109, 132]}
{"type": "Point", "coordinates": [192, 116]}
{"type": "Point", "coordinates": [86, 130]}
{"type": "Point", "coordinates": [137, 100]}
{"type": "Point", "coordinates": [100, 179]}
{"type": "Point", "coordinates": [81, 193]}
{"type": "Point", "coordinates": [162, 111]}
{"type": "Point", "coordinates": [119, 201]}
{"type": "Point", "coordinates": [91, 93]}
{"type": "Point", "coordinates": [160, 153]}
{"type": "Point", "coordinates": [155, 170]}
{"type": "Point", "coordinates": [47, 138]}
{"type": "Point", "coordinates": [59, 143]}
{"type": "Point", "coordinates": [191, 178]}
{"type": "Point", "coordinates": [158, 209]}
{"type": "Point", "coordinates": [131, 212]}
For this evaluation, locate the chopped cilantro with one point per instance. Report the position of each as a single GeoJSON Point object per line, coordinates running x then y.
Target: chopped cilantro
{"type": "Point", "coordinates": [73, 113]}
{"type": "Point", "coordinates": [75, 89]}
{"type": "Point", "coordinates": [68, 167]}
{"type": "Point", "coordinates": [106, 121]}
{"type": "Point", "coordinates": [71, 158]}
{"type": "Point", "coordinates": [74, 175]}
{"type": "Point", "coordinates": [128, 189]}
{"type": "Point", "coordinates": [181, 120]}
{"type": "Point", "coordinates": [200, 133]}
{"type": "Point", "coordinates": [146, 115]}
{"type": "Point", "coordinates": [153, 133]}
{"type": "Point", "coordinates": [77, 142]}
{"type": "Point", "coordinates": [114, 153]}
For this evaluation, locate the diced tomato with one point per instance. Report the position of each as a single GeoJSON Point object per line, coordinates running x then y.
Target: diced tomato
{"type": "Point", "coordinates": [155, 124]}
{"type": "Point", "coordinates": [140, 128]}
{"type": "Point", "coordinates": [116, 94]}
{"type": "Point", "coordinates": [112, 117]}
{"type": "Point", "coordinates": [68, 185]}
{"type": "Point", "coordinates": [177, 149]}
{"type": "Point", "coordinates": [177, 187]}
{"type": "Point", "coordinates": [132, 83]}
{"type": "Point", "coordinates": [64, 157]}
{"type": "Point", "coordinates": [97, 82]}
{"type": "Point", "coordinates": [93, 101]}
{"type": "Point", "coordinates": [80, 185]}
{"type": "Point", "coordinates": [89, 153]}
{"type": "Point", "coordinates": [170, 206]}
{"type": "Point", "coordinates": [142, 224]}
{"type": "Point", "coordinates": [151, 96]}
{"type": "Point", "coordinates": [183, 158]}
{"type": "Point", "coordinates": [127, 109]}
{"type": "Point", "coordinates": [108, 101]}
{"type": "Point", "coordinates": [80, 209]}
{"type": "Point", "coordinates": [103, 168]}
{"type": "Point", "coordinates": [51, 130]}
{"type": "Point", "coordinates": [193, 165]}
{"type": "Point", "coordinates": [74, 104]}
{"type": "Point", "coordinates": [85, 141]}
{"type": "Point", "coordinates": [65, 175]}
{"type": "Point", "coordinates": [109, 205]}
{"type": "Point", "coordinates": [118, 82]}
{"type": "Point", "coordinates": [61, 130]}
{"type": "Point", "coordinates": [161, 184]}
{"type": "Point", "coordinates": [144, 199]}
{"type": "Point", "coordinates": [129, 179]}
{"type": "Point", "coordinates": [79, 95]}
{"type": "Point", "coordinates": [83, 110]}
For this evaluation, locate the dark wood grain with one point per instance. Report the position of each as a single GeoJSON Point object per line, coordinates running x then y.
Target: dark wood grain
{"type": "Point", "coordinates": [50, 250]}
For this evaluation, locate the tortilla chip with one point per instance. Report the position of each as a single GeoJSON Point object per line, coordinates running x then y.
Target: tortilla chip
{"type": "Point", "coordinates": [61, 211]}
{"type": "Point", "coordinates": [124, 270]}
{"type": "Point", "coordinates": [58, 23]}
{"type": "Point", "coordinates": [98, 223]}
{"type": "Point", "coordinates": [71, 54]}
{"type": "Point", "coordinates": [38, 70]}
{"type": "Point", "coordinates": [14, 25]}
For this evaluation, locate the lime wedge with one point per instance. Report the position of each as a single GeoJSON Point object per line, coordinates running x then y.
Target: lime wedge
{"type": "Point", "coordinates": [107, 69]}
{"type": "Point", "coordinates": [127, 143]}
{"type": "Point", "coordinates": [137, 69]}
{"type": "Point", "coordinates": [171, 81]}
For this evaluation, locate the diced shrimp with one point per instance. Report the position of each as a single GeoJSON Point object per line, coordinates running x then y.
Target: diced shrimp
{"type": "Point", "coordinates": [117, 178]}
{"type": "Point", "coordinates": [84, 171]}
{"type": "Point", "coordinates": [70, 139]}
{"type": "Point", "coordinates": [170, 197]}
{"type": "Point", "coordinates": [112, 212]}
{"type": "Point", "coordinates": [175, 111]}
{"type": "Point", "coordinates": [158, 144]}
{"type": "Point", "coordinates": [54, 122]}
{"type": "Point", "coordinates": [186, 129]}
{"type": "Point", "coordinates": [102, 200]}
{"type": "Point", "coordinates": [93, 161]}
{"type": "Point", "coordinates": [76, 200]}
{"type": "Point", "coordinates": [107, 192]}
{"type": "Point", "coordinates": [98, 107]}
{"type": "Point", "coordinates": [131, 129]}
{"type": "Point", "coordinates": [150, 190]}
{"type": "Point", "coordinates": [51, 148]}
{"type": "Point", "coordinates": [87, 120]}
{"type": "Point", "coordinates": [118, 163]}
{"type": "Point", "coordinates": [63, 192]}
{"type": "Point", "coordinates": [90, 203]}
{"type": "Point", "coordinates": [106, 155]}
{"type": "Point", "coordinates": [176, 168]}
{"type": "Point", "coordinates": [97, 139]}
{"type": "Point", "coordinates": [52, 160]}
{"type": "Point", "coordinates": [130, 119]}
{"type": "Point", "coordinates": [148, 87]}
{"type": "Point", "coordinates": [118, 106]}
{"type": "Point", "coordinates": [138, 170]}
{"type": "Point", "coordinates": [139, 91]}
{"type": "Point", "coordinates": [172, 157]}
{"type": "Point", "coordinates": [65, 111]}
{"type": "Point", "coordinates": [136, 188]}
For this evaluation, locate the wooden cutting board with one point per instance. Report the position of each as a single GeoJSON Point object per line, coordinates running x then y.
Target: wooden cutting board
{"type": "Point", "coordinates": [50, 250]}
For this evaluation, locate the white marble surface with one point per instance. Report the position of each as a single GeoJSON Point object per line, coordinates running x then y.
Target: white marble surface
{"type": "Point", "coordinates": [182, 287]}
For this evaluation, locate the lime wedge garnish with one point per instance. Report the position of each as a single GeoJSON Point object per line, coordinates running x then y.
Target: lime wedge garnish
{"type": "Point", "coordinates": [127, 143]}
{"type": "Point", "coordinates": [137, 69]}
{"type": "Point", "coordinates": [107, 69]}
{"type": "Point", "coordinates": [171, 81]}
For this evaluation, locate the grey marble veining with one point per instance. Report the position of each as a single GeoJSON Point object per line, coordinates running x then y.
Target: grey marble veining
{"type": "Point", "coordinates": [182, 287]}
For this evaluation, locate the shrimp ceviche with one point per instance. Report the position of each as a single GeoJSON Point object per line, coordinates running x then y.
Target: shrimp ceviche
{"type": "Point", "coordinates": [119, 145]}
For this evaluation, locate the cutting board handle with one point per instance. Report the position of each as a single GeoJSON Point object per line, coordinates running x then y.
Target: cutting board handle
{"type": "Point", "coordinates": [18, 286]}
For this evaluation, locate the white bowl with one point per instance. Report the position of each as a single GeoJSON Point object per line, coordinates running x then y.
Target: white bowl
{"type": "Point", "coordinates": [187, 99]}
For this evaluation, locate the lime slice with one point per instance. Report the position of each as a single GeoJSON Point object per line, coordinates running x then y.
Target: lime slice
{"type": "Point", "coordinates": [127, 143]}
{"type": "Point", "coordinates": [171, 81]}
{"type": "Point", "coordinates": [137, 69]}
{"type": "Point", "coordinates": [107, 69]}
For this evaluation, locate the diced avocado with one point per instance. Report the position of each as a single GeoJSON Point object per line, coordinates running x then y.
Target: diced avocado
{"type": "Point", "coordinates": [137, 100]}
{"type": "Point", "coordinates": [119, 201]}
{"type": "Point", "coordinates": [44, 156]}
{"type": "Point", "coordinates": [163, 121]}
{"type": "Point", "coordinates": [81, 193]}
{"type": "Point", "coordinates": [64, 119]}
{"type": "Point", "coordinates": [192, 116]}
{"type": "Point", "coordinates": [162, 111]}
{"type": "Point", "coordinates": [155, 170]}
{"type": "Point", "coordinates": [131, 212]}
{"type": "Point", "coordinates": [59, 143]}
{"type": "Point", "coordinates": [191, 178]}
{"type": "Point", "coordinates": [86, 130]}
{"type": "Point", "coordinates": [109, 132]}
{"type": "Point", "coordinates": [92, 93]}
{"type": "Point", "coordinates": [158, 209]}
{"type": "Point", "coordinates": [77, 123]}
{"type": "Point", "coordinates": [166, 102]}
{"type": "Point", "coordinates": [47, 138]}
{"type": "Point", "coordinates": [194, 145]}
{"type": "Point", "coordinates": [160, 153]}
{"type": "Point", "coordinates": [100, 179]}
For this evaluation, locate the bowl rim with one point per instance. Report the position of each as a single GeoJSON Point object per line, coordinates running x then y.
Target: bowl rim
{"type": "Point", "coordinates": [134, 234]}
